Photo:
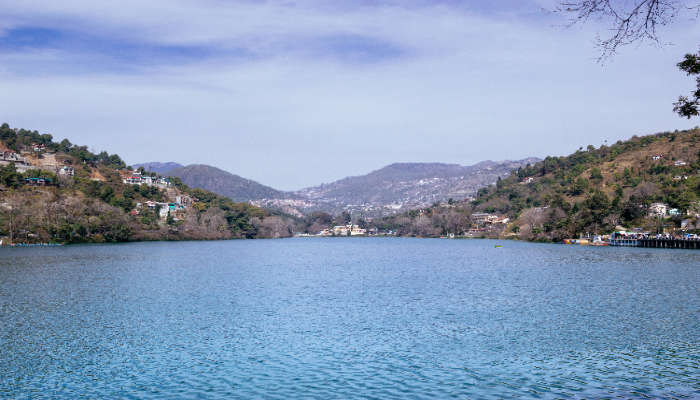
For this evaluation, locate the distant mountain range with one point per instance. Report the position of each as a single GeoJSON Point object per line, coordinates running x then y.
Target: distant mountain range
{"type": "Point", "coordinates": [394, 188]}
{"type": "Point", "coordinates": [409, 185]}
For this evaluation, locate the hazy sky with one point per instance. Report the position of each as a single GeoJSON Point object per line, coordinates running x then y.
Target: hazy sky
{"type": "Point", "coordinates": [296, 93]}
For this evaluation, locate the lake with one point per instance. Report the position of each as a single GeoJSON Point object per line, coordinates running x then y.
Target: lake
{"type": "Point", "coordinates": [349, 318]}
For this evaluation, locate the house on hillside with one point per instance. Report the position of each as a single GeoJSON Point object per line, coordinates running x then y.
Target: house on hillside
{"type": "Point", "coordinates": [658, 210]}
{"type": "Point", "coordinates": [480, 218]}
{"type": "Point", "coordinates": [132, 180]}
{"type": "Point", "coordinates": [486, 218]}
{"type": "Point", "coordinates": [40, 181]}
{"type": "Point", "coordinates": [21, 163]}
{"type": "Point", "coordinates": [657, 157]}
{"type": "Point", "coordinates": [680, 163]}
{"type": "Point", "coordinates": [163, 213]}
{"type": "Point", "coordinates": [184, 200]}
{"type": "Point", "coordinates": [137, 178]}
{"type": "Point", "coordinates": [66, 171]}
{"type": "Point", "coordinates": [162, 182]}
{"type": "Point", "coordinates": [527, 180]}
{"type": "Point", "coordinates": [502, 220]}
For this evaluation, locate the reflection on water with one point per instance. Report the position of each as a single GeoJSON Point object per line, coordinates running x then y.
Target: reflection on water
{"type": "Point", "coordinates": [348, 318]}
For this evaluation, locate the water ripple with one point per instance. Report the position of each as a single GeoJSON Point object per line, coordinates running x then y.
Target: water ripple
{"type": "Point", "coordinates": [356, 318]}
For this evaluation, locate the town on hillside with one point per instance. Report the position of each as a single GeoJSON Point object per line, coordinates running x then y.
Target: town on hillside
{"type": "Point", "coordinates": [54, 192]}
{"type": "Point", "coordinates": [50, 167]}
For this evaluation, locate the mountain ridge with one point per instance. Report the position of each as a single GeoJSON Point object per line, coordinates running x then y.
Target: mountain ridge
{"type": "Point", "coordinates": [383, 191]}
{"type": "Point", "coordinates": [224, 183]}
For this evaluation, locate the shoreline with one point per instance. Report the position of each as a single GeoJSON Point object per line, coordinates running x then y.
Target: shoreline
{"type": "Point", "coordinates": [44, 245]}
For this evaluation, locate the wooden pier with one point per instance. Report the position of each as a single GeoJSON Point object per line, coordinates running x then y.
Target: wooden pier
{"type": "Point", "coordinates": [669, 243]}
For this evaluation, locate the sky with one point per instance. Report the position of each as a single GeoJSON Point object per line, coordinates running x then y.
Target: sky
{"type": "Point", "coordinates": [297, 93]}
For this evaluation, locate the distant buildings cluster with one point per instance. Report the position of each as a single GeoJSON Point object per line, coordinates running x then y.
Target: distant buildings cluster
{"type": "Point", "coordinates": [21, 163]}
{"type": "Point", "coordinates": [662, 210]}
{"type": "Point", "coordinates": [344, 230]}
{"type": "Point", "coordinates": [137, 178]}
{"type": "Point", "coordinates": [175, 209]}
{"type": "Point", "coordinates": [677, 163]}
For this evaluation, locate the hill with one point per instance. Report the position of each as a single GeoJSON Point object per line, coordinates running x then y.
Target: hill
{"type": "Point", "coordinates": [402, 186]}
{"type": "Point", "coordinates": [651, 183]}
{"type": "Point", "coordinates": [61, 192]}
{"type": "Point", "coordinates": [161, 168]}
{"type": "Point", "coordinates": [596, 189]}
{"type": "Point", "coordinates": [224, 183]}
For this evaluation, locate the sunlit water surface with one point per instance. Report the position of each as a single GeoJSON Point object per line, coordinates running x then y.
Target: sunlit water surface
{"type": "Point", "coordinates": [349, 318]}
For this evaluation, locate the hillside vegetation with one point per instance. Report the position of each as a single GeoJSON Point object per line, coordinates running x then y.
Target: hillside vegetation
{"type": "Point", "coordinates": [594, 190]}
{"type": "Point", "coordinates": [92, 204]}
{"type": "Point", "coordinates": [224, 183]}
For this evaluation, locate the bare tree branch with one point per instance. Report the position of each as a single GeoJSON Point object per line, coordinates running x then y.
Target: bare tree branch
{"type": "Point", "coordinates": [631, 20]}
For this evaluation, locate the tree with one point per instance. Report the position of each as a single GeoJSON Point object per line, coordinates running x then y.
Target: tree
{"type": "Point", "coordinates": [579, 186]}
{"type": "Point", "coordinates": [65, 145]}
{"type": "Point", "coordinates": [689, 107]}
{"type": "Point", "coordinates": [637, 21]}
{"type": "Point", "coordinates": [9, 176]}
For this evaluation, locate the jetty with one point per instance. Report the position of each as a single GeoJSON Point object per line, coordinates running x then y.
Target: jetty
{"type": "Point", "coordinates": [690, 243]}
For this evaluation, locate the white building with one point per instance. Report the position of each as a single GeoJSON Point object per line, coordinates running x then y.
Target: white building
{"type": "Point", "coordinates": [348, 230]}
{"type": "Point", "coordinates": [658, 210]}
{"type": "Point", "coordinates": [137, 178]}
{"type": "Point", "coordinates": [357, 231]}
{"type": "Point", "coordinates": [66, 171]}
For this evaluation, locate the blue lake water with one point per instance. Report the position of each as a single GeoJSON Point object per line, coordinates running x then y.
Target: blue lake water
{"type": "Point", "coordinates": [349, 318]}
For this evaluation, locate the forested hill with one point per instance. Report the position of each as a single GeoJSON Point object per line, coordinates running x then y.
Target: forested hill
{"type": "Point", "coordinates": [649, 182]}
{"type": "Point", "coordinates": [225, 183]}
{"type": "Point", "coordinates": [61, 192]}
{"type": "Point", "coordinates": [596, 189]}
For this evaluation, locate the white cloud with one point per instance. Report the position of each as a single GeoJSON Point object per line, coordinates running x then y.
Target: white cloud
{"type": "Point", "coordinates": [468, 88]}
